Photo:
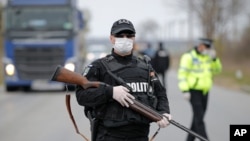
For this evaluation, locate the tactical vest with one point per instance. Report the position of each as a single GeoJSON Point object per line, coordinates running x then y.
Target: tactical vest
{"type": "Point", "coordinates": [136, 74]}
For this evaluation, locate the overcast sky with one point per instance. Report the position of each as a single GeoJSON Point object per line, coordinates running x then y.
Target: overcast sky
{"type": "Point", "coordinates": [105, 12]}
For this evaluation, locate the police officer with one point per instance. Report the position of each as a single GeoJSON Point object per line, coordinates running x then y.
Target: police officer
{"type": "Point", "coordinates": [195, 73]}
{"type": "Point", "coordinates": [110, 104]}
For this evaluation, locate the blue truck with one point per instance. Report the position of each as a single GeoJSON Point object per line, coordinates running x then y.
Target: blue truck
{"type": "Point", "coordinates": [38, 36]}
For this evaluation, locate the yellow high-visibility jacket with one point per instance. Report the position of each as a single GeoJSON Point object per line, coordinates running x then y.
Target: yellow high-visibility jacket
{"type": "Point", "coordinates": [196, 71]}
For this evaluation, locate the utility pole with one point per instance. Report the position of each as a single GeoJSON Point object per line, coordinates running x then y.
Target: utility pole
{"type": "Point", "coordinates": [1, 23]}
{"type": "Point", "coordinates": [190, 23]}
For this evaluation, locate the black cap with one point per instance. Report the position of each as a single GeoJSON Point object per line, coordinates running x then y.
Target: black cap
{"type": "Point", "coordinates": [122, 25]}
{"type": "Point", "coordinates": [207, 42]}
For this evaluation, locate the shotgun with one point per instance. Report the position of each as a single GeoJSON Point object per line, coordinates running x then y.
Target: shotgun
{"type": "Point", "coordinates": [63, 75]}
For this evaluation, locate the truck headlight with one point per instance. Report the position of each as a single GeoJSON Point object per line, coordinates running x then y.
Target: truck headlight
{"type": "Point", "coordinates": [90, 56]}
{"type": "Point", "coordinates": [102, 55]}
{"type": "Point", "coordinates": [70, 66]}
{"type": "Point", "coordinates": [10, 69]}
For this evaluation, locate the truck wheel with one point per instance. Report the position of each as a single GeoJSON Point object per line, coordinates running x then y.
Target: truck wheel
{"type": "Point", "coordinates": [11, 88]}
{"type": "Point", "coordinates": [26, 88]}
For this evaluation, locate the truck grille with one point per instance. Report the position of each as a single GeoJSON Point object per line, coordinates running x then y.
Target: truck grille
{"type": "Point", "coordinates": [38, 62]}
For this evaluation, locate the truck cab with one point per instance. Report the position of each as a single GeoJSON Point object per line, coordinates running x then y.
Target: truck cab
{"type": "Point", "coordinates": [39, 35]}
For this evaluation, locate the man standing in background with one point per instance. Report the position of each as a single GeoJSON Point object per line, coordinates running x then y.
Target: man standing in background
{"type": "Point", "coordinates": [161, 62]}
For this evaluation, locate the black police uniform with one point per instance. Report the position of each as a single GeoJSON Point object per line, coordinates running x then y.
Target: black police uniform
{"type": "Point", "coordinates": [117, 122]}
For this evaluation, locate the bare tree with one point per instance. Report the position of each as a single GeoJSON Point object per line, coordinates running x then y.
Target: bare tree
{"type": "Point", "coordinates": [213, 15]}
{"type": "Point", "coordinates": [209, 14]}
{"type": "Point", "coordinates": [148, 30]}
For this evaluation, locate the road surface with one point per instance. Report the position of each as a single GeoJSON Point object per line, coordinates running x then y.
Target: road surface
{"type": "Point", "coordinates": [42, 116]}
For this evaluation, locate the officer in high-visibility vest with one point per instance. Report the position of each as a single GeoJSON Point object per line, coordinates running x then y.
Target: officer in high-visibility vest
{"type": "Point", "coordinates": [195, 76]}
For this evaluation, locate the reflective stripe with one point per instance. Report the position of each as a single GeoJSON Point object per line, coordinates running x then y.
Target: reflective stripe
{"type": "Point", "coordinates": [184, 68]}
{"type": "Point", "coordinates": [192, 70]}
{"type": "Point", "coordinates": [183, 79]}
{"type": "Point", "coordinates": [197, 71]}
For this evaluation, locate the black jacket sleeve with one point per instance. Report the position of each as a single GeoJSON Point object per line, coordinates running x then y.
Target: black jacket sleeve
{"type": "Point", "coordinates": [93, 97]}
{"type": "Point", "coordinates": [162, 99]}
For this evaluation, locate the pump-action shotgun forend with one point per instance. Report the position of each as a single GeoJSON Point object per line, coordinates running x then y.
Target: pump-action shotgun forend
{"type": "Point", "coordinates": [64, 75]}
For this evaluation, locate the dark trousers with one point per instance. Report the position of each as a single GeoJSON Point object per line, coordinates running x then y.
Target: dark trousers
{"type": "Point", "coordinates": [112, 138]}
{"type": "Point", "coordinates": [163, 78]}
{"type": "Point", "coordinates": [199, 105]}
{"type": "Point", "coordinates": [105, 135]}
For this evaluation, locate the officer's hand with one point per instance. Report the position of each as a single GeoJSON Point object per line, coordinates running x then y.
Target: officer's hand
{"type": "Point", "coordinates": [164, 122]}
{"type": "Point", "coordinates": [212, 53]}
{"type": "Point", "coordinates": [186, 95]}
{"type": "Point", "coordinates": [121, 95]}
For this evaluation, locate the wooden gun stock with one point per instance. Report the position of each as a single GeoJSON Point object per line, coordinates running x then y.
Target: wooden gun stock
{"type": "Point", "coordinates": [64, 75]}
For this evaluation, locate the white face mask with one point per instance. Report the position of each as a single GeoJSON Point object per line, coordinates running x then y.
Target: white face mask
{"type": "Point", "coordinates": [123, 45]}
{"type": "Point", "coordinates": [205, 52]}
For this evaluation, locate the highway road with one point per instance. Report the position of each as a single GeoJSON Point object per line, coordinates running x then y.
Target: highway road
{"type": "Point", "coordinates": [42, 115]}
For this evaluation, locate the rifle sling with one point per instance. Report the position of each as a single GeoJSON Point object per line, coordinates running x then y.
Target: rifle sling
{"type": "Point", "coordinates": [67, 100]}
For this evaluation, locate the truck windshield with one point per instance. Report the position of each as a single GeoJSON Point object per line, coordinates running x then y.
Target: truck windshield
{"type": "Point", "coordinates": [39, 18]}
